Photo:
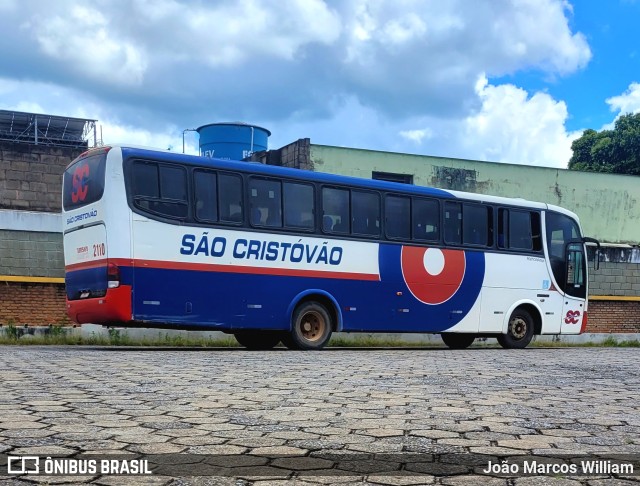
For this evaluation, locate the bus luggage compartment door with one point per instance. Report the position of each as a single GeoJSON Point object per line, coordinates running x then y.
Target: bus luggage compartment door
{"type": "Point", "coordinates": [85, 255]}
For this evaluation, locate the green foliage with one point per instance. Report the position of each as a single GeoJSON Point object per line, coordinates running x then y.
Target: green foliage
{"type": "Point", "coordinates": [615, 151]}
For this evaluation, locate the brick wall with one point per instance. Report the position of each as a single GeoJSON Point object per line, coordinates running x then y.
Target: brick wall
{"type": "Point", "coordinates": [30, 253]}
{"type": "Point", "coordinates": [32, 304]}
{"type": "Point", "coordinates": [31, 175]}
{"type": "Point", "coordinates": [613, 316]}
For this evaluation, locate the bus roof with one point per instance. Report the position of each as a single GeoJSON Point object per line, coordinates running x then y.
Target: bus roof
{"type": "Point", "coordinates": [326, 178]}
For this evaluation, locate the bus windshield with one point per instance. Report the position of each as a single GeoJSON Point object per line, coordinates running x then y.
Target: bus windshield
{"type": "Point", "coordinates": [83, 181]}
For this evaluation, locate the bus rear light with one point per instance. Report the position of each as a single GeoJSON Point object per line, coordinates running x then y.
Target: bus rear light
{"type": "Point", "coordinates": [113, 276]}
{"type": "Point", "coordinates": [583, 327]}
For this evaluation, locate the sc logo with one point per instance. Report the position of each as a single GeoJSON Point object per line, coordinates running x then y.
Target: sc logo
{"type": "Point", "coordinates": [572, 317]}
{"type": "Point", "coordinates": [80, 183]}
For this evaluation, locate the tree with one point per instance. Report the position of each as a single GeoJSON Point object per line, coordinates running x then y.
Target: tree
{"type": "Point", "coordinates": [616, 151]}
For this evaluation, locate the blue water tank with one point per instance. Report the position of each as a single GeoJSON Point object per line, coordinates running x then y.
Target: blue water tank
{"type": "Point", "coordinates": [232, 140]}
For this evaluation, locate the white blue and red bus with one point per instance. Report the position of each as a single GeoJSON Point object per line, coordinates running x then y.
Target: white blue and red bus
{"type": "Point", "coordinates": [271, 254]}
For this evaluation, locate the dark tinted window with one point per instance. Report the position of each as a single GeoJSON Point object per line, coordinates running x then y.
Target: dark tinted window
{"type": "Point", "coordinates": [520, 230]}
{"type": "Point", "coordinates": [265, 197]}
{"type": "Point", "coordinates": [452, 223]}
{"type": "Point", "coordinates": [365, 213]}
{"type": "Point", "coordinates": [160, 189]}
{"type": "Point", "coordinates": [298, 205]}
{"type": "Point", "coordinates": [475, 224]}
{"type": "Point", "coordinates": [83, 182]}
{"type": "Point", "coordinates": [206, 195]}
{"type": "Point", "coordinates": [145, 179]}
{"type": "Point", "coordinates": [426, 220]}
{"type": "Point", "coordinates": [397, 217]}
{"type": "Point", "coordinates": [230, 198]}
{"type": "Point", "coordinates": [335, 210]}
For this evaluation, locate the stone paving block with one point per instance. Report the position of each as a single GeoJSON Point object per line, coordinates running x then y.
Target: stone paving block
{"type": "Point", "coordinates": [257, 405]}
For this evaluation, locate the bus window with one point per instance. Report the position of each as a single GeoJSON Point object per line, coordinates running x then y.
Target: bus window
{"type": "Point", "coordinates": [335, 210]}
{"type": "Point", "coordinates": [265, 198]}
{"type": "Point", "coordinates": [206, 195]}
{"type": "Point", "coordinates": [520, 230]}
{"type": "Point", "coordinates": [299, 208]}
{"type": "Point", "coordinates": [452, 223]}
{"type": "Point", "coordinates": [397, 217]}
{"type": "Point", "coordinates": [475, 224]}
{"type": "Point", "coordinates": [83, 182]}
{"type": "Point", "coordinates": [425, 220]}
{"type": "Point", "coordinates": [230, 198]}
{"type": "Point", "coordinates": [160, 189]}
{"type": "Point", "coordinates": [365, 213]}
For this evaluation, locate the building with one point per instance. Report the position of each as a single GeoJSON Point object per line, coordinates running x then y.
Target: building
{"type": "Point", "coordinates": [34, 151]}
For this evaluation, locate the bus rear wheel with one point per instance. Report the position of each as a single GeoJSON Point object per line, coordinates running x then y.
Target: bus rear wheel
{"type": "Point", "coordinates": [310, 327]}
{"type": "Point", "coordinates": [455, 340]}
{"type": "Point", "coordinates": [519, 332]}
{"type": "Point", "coordinates": [257, 340]}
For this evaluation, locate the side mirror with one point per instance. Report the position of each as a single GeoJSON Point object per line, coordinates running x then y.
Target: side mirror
{"type": "Point", "coordinates": [596, 257]}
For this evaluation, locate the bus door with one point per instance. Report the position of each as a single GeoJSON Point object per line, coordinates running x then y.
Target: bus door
{"type": "Point", "coordinates": [575, 286]}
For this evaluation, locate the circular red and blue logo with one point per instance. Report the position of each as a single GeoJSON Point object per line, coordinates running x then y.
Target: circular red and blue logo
{"type": "Point", "coordinates": [433, 275]}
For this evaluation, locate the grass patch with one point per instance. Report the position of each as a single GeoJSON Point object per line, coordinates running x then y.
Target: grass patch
{"type": "Point", "coordinates": [56, 335]}
{"type": "Point", "coordinates": [10, 334]}
{"type": "Point", "coordinates": [365, 341]}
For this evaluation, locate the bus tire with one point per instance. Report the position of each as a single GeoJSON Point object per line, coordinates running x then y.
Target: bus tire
{"type": "Point", "coordinates": [455, 340]}
{"type": "Point", "coordinates": [257, 340]}
{"type": "Point", "coordinates": [311, 326]}
{"type": "Point", "coordinates": [519, 331]}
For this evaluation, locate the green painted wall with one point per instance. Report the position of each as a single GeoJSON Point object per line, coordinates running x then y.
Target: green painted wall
{"type": "Point", "coordinates": [608, 205]}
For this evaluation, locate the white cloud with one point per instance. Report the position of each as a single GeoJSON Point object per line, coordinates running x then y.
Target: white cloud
{"type": "Point", "coordinates": [416, 135]}
{"type": "Point", "coordinates": [517, 128]}
{"type": "Point", "coordinates": [383, 75]}
{"type": "Point", "coordinates": [627, 102]}
{"type": "Point", "coordinates": [84, 38]}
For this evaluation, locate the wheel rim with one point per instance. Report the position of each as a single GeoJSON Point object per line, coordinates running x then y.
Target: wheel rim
{"type": "Point", "coordinates": [518, 327]}
{"type": "Point", "coordinates": [312, 326]}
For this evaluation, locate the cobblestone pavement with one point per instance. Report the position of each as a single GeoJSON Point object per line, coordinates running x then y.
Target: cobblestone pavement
{"type": "Point", "coordinates": [257, 416]}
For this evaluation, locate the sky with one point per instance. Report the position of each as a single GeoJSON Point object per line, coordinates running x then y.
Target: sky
{"type": "Point", "coordinates": [500, 80]}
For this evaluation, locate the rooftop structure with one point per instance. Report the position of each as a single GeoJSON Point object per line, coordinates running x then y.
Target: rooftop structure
{"type": "Point", "coordinates": [39, 129]}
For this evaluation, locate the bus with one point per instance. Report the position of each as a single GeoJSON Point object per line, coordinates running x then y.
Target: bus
{"type": "Point", "coordinates": [270, 254]}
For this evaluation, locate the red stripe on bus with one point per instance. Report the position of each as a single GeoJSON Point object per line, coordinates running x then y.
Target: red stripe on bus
{"type": "Point", "coordinates": [86, 265]}
{"type": "Point", "coordinates": [213, 267]}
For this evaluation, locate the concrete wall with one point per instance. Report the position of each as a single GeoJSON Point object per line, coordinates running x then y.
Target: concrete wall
{"type": "Point", "coordinates": [608, 205]}
{"type": "Point", "coordinates": [621, 279]}
{"type": "Point", "coordinates": [31, 253]}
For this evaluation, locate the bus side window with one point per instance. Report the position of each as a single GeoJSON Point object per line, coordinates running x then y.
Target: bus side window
{"type": "Point", "coordinates": [520, 230]}
{"type": "Point", "coordinates": [335, 208]}
{"type": "Point", "coordinates": [452, 223]}
{"type": "Point", "coordinates": [476, 220]}
{"type": "Point", "coordinates": [365, 213]}
{"type": "Point", "coordinates": [299, 210]}
{"type": "Point", "coordinates": [397, 217]}
{"type": "Point", "coordinates": [265, 198]}
{"type": "Point", "coordinates": [426, 220]}
{"type": "Point", "coordinates": [206, 195]}
{"type": "Point", "coordinates": [230, 198]}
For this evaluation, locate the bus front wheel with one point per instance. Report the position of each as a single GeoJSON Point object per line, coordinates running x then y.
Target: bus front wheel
{"type": "Point", "coordinates": [455, 340]}
{"type": "Point", "coordinates": [257, 340]}
{"type": "Point", "coordinates": [519, 332]}
{"type": "Point", "coordinates": [310, 327]}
